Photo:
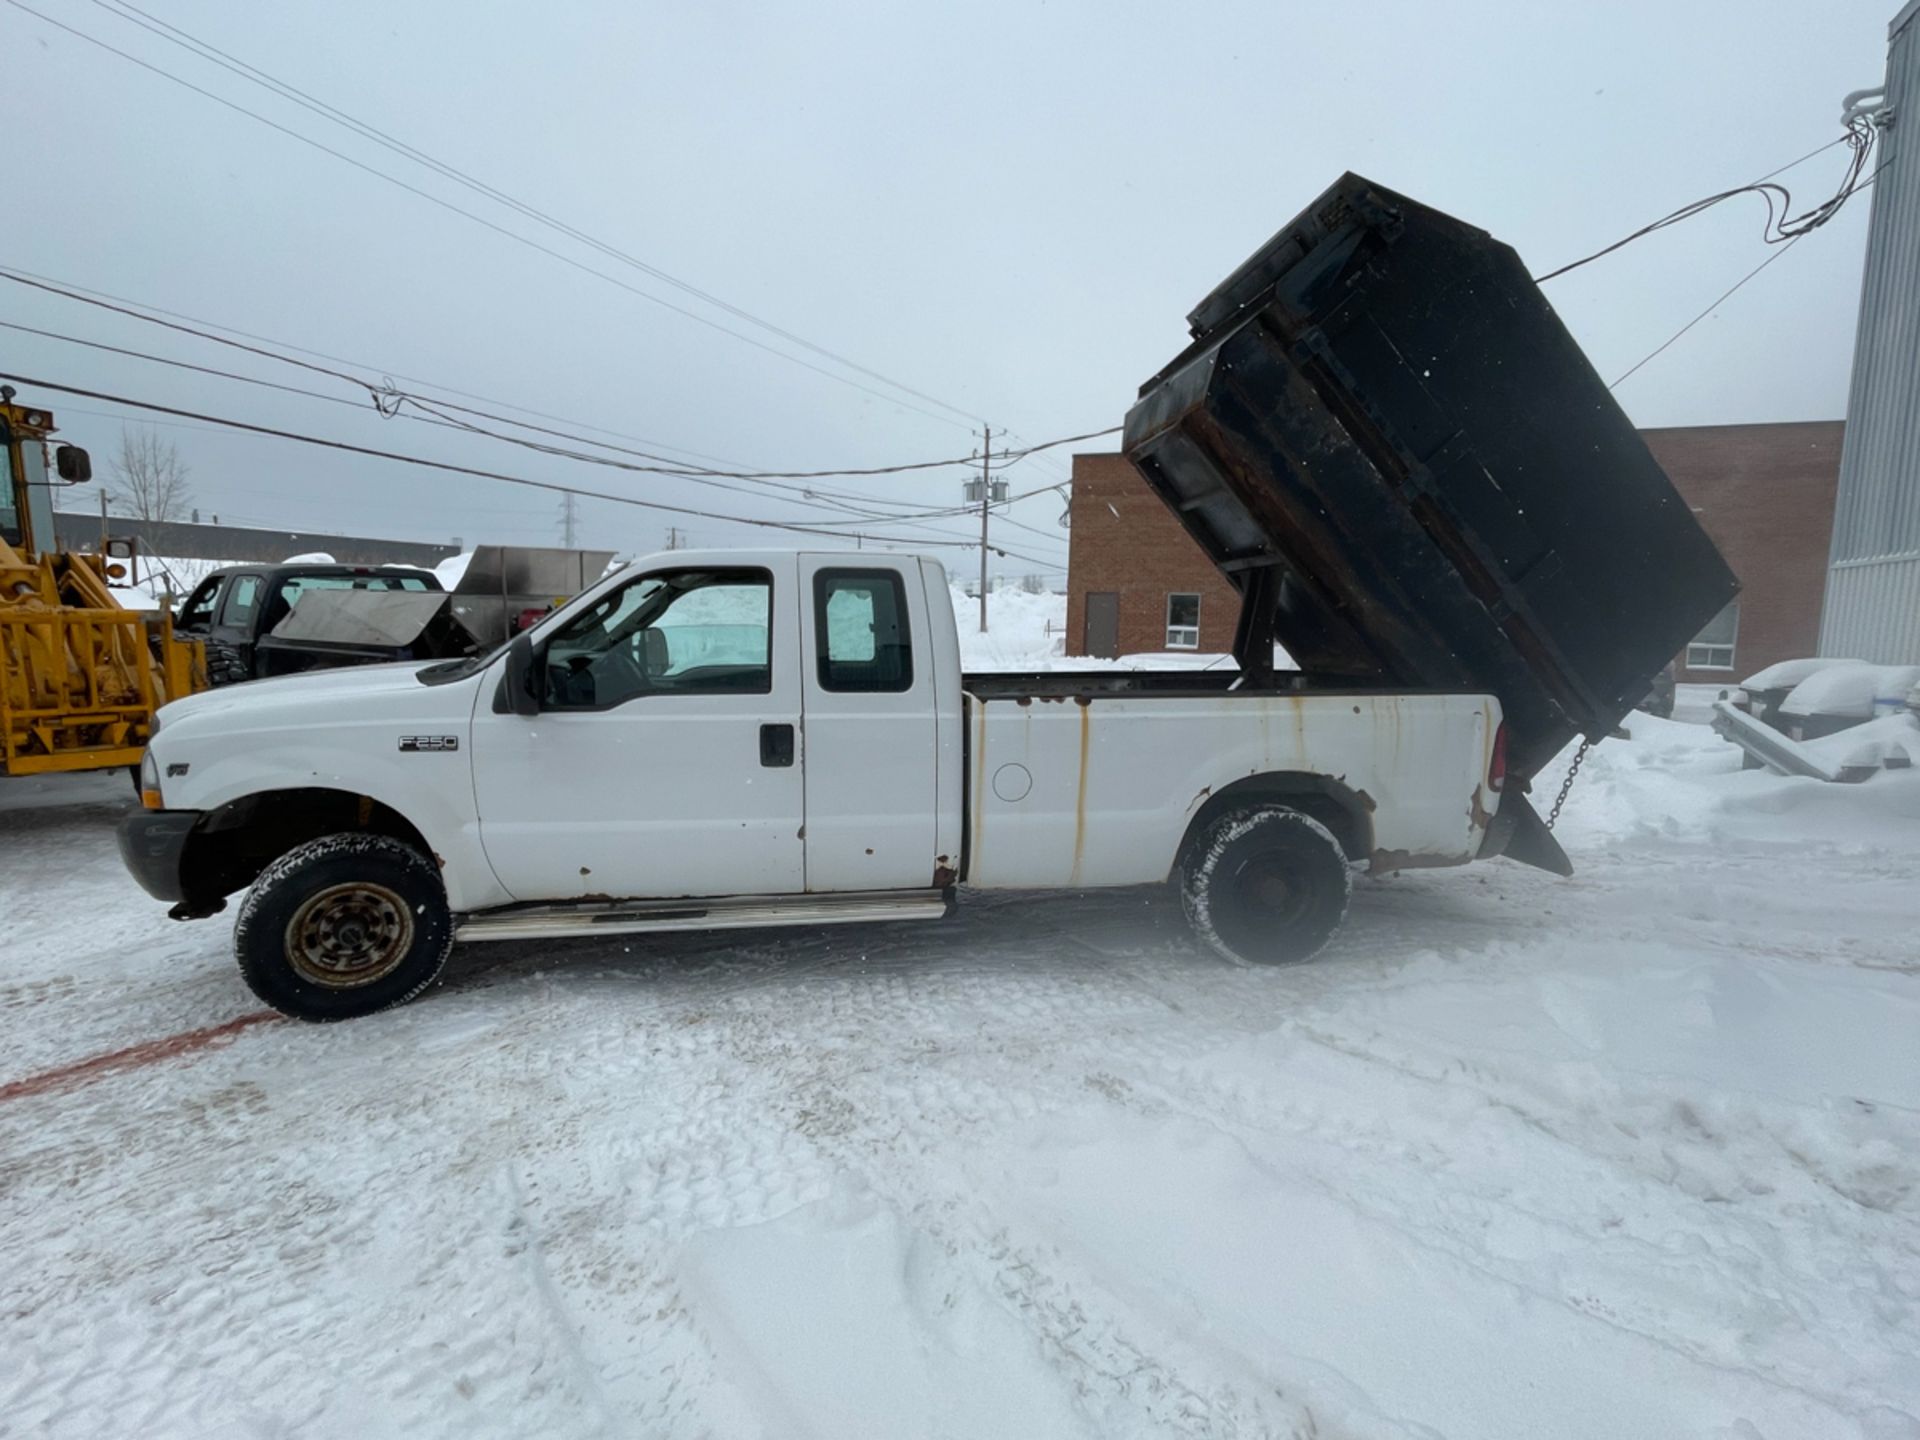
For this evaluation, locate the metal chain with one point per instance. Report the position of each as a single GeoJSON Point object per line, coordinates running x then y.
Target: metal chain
{"type": "Point", "coordinates": [1567, 784]}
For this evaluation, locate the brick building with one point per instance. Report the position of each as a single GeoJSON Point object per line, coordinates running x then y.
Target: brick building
{"type": "Point", "coordinates": [1137, 583]}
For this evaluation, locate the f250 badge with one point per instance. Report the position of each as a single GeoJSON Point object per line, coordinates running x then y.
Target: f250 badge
{"type": "Point", "coordinates": [429, 742]}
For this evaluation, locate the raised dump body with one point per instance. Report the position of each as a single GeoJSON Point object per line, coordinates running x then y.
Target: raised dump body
{"type": "Point", "coordinates": [1388, 442]}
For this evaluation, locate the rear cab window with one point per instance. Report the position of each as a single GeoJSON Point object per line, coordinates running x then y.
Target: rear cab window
{"type": "Point", "coordinates": [860, 621]}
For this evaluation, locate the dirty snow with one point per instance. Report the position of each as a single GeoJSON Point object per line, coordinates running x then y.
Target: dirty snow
{"type": "Point", "coordinates": [1631, 1155]}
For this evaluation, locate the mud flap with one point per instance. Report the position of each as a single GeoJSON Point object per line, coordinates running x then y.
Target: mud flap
{"type": "Point", "coordinates": [1519, 833]}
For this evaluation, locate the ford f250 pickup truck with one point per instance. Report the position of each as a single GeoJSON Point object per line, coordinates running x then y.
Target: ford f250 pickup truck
{"type": "Point", "coordinates": [1381, 435]}
{"type": "Point", "coordinates": [731, 738]}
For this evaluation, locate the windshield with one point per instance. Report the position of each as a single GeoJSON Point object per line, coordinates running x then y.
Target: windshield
{"type": "Point", "coordinates": [450, 670]}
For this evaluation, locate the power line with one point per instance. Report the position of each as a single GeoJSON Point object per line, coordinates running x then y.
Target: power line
{"type": "Point", "coordinates": [498, 229]}
{"type": "Point", "coordinates": [85, 293]}
{"type": "Point", "coordinates": [455, 469]}
{"type": "Point", "coordinates": [174, 35]}
{"type": "Point", "coordinates": [807, 494]}
{"type": "Point", "coordinates": [423, 418]}
{"type": "Point", "coordinates": [1777, 254]}
{"type": "Point", "coordinates": [387, 398]}
{"type": "Point", "coordinates": [1782, 226]}
{"type": "Point", "coordinates": [1731, 289]}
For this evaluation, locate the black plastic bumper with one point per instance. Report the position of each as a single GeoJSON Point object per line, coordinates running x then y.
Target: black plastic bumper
{"type": "Point", "coordinates": [151, 844]}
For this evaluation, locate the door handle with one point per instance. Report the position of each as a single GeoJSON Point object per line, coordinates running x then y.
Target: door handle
{"type": "Point", "coordinates": [776, 746]}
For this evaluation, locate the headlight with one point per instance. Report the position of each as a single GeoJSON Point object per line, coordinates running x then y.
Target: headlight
{"type": "Point", "coordinates": [150, 781]}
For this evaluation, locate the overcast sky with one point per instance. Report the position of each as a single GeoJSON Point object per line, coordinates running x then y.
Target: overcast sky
{"type": "Point", "coordinates": [1008, 207]}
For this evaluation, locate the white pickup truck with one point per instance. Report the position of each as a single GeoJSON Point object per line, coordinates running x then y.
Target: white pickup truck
{"type": "Point", "coordinates": [727, 739]}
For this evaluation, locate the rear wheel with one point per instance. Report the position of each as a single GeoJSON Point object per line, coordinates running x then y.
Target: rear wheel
{"type": "Point", "coordinates": [1266, 886]}
{"type": "Point", "coordinates": [343, 926]}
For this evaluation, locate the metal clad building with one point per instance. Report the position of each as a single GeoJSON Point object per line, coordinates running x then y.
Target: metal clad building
{"type": "Point", "coordinates": [1873, 578]}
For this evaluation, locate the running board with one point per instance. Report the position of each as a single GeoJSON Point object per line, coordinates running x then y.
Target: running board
{"type": "Point", "coordinates": [729, 912]}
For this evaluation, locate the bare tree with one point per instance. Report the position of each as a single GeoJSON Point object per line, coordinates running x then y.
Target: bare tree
{"type": "Point", "coordinates": [152, 476]}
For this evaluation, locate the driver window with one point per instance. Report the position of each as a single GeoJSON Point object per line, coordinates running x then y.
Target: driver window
{"type": "Point", "coordinates": [683, 632]}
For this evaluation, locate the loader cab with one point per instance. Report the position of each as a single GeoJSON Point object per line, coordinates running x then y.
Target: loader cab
{"type": "Point", "coordinates": [26, 503]}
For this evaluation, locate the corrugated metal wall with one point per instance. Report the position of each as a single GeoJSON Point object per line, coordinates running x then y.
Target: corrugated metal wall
{"type": "Point", "coordinates": [1872, 606]}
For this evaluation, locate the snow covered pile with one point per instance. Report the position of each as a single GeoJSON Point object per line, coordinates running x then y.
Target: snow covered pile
{"type": "Point", "coordinates": [1680, 782]}
{"type": "Point", "coordinates": [1785, 674]}
{"type": "Point", "coordinates": [1024, 631]}
{"type": "Point", "coordinates": [1852, 689]}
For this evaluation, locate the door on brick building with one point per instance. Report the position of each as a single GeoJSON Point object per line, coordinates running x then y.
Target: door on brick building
{"type": "Point", "coordinates": [1102, 636]}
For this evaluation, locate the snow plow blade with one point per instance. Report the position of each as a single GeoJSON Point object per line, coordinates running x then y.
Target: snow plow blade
{"type": "Point", "coordinates": [1389, 444]}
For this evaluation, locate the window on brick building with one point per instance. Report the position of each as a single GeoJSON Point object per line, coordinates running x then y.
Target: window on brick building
{"type": "Point", "coordinates": [1712, 648]}
{"type": "Point", "coordinates": [1183, 622]}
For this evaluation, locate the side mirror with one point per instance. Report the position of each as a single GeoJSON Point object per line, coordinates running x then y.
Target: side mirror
{"type": "Point", "coordinates": [72, 464]}
{"type": "Point", "coordinates": [523, 698]}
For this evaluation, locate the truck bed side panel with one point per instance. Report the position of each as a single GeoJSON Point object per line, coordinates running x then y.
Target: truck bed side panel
{"type": "Point", "coordinates": [1100, 790]}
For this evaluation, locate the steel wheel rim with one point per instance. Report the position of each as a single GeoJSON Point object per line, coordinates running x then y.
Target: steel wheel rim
{"type": "Point", "coordinates": [346, 936]}
{"type": "Point", "coordinates": [1270, 891]}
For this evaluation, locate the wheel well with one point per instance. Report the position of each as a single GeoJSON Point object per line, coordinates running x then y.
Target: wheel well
{"type": "Point", "coordinates": [1344, 811]}
{"type": "Point", "coordinates": [234, 843]}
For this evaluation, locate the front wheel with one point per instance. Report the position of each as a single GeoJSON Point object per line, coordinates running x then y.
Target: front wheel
{"type": "Point", "coordinates": [343, 926]}
{"type": "Point", "coordinates": [1266, 886]}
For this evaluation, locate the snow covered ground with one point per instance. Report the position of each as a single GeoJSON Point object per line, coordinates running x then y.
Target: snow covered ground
{"type": "Point", "coordinates": [1631, 1155]}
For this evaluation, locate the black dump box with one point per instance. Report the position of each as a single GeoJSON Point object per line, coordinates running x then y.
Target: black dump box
{"type": "Point", "coordinates": [1389, 443]}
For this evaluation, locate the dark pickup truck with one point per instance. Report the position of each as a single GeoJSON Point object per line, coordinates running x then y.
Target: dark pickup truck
{"type": "Point", "coordinates": [237, 611]}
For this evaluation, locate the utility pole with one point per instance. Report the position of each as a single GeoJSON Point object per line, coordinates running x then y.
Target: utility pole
{"type": "Point", "coordinates": [986, 494]}
{"type": "Point", "coordinates": [674, 542]}
{"type": "Point", "coordinates": [566, 519]}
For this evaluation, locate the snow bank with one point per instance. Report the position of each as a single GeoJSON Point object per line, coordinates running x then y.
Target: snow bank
{"type": "Point", "coordinates": [1871, 745]}
{"type": "Point", "coordinates": [1678, 782]}
{"type": "Point", "coordinates": [310, 557]}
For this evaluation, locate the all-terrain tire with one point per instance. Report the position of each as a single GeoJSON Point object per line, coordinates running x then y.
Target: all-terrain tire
{"type": "Point", "coordinates": [224, 665]}
{"type": "Point", "coordinates": [1266, 886]}
{"type": "Point", "coordinates": [343, 926]}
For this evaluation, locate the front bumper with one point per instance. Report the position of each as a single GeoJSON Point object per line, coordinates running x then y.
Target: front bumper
{"type": "Point", "coordinates": [152, 843]}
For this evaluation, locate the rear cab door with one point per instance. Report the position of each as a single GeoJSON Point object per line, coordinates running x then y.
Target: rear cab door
{"type": "Point", "coordinates": [871, 681]}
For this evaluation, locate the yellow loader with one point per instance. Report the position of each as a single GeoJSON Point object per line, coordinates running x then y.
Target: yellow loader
{"type": "Point", "coordinates": [80, 675]}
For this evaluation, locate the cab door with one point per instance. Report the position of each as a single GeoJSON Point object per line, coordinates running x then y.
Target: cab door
{"type": "Point", "coordinates": [665, 758]}
{"type": "Point", "coordinates": [230, 643]}
{"type": "Point", "coordinates": [871, 793]}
